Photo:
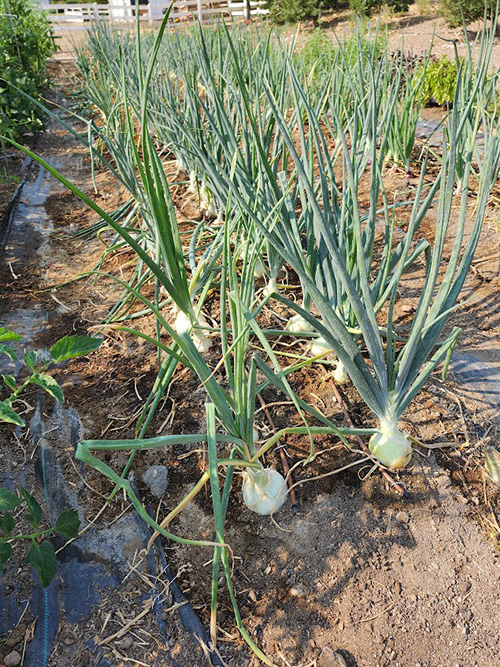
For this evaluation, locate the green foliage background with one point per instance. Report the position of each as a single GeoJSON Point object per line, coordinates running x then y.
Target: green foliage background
{"type": "Point", "coordinates": [291, 11]}
{"type": "Point", "coordinates": [472, 10]}
{"type": "Point", "coordinates": [26, 41]}
{"type": "Point", "coordinates": [284, 11]}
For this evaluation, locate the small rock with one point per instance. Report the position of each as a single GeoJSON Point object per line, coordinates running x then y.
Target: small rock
{"type": "Point", "coordinates": [403, 517]}
{"type": "Point", "coordinates": [298, 591]}
{"type": "Point", "coordinates": [12, 659]}
{"type": "Point", "coordinates": [126, 643]}
{"type": "Point", "coordinates": [330, 658]}
{"type": "Point", "coordinates": [464, 586]}
{"type": "Point", "coordinates": [156, 479]}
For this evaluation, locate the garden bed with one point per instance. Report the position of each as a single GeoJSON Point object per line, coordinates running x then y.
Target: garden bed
{"type": "Point", "coordinates": [359, 570]}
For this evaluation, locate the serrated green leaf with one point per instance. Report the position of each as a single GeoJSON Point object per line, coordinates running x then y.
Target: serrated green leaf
{"type": "Point", "coordinates": [43, 557]}
{"type": "Point", "coordinates": [74, 346]}
{"type": "Point", "coordinates": [9, 415]}
{"type": "Point", "coordinates": [36, 512]}
{"type": "Point", "coordinates": [5, 552]}
{"type": "Point", "coordinates": [7, 334]}
{"type": "Point", "coordinates": [68, 523]}
{"type": "Point", "coordinates": [30, 359]}
{"type": "Point", "coordinates": [9, 381]}
{"type": "Point", "coordinates": [8, 351]}
{"type": "Point", "coordinates": [8, 500]}
{"type": "Point", "coordinates": [7, 523]}
{"type": "Point", "coordinates": [50, 385]}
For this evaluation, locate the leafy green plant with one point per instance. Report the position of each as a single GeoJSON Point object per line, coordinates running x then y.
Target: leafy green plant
{"type": "Point", "coordinates": [26, 41]}
{"type": "Point", "coordinates": [65, 348]}
{"type": "Point", "coordinates": [322, 51]}
{"type": "Point", "coordinates": [398, 369]}
{"type": "Point", "coordinates": [440, 81]}
{"type": "Point", "coordinates": [41, 553]}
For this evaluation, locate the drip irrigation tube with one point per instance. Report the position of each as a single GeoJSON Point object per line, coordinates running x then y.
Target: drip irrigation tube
{"type": "Point", "coordinates": [187, 614]}
{"type": "Point", "coordinates": [10, 213]}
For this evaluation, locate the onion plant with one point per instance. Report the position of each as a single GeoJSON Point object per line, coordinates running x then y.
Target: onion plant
{"type": "Point", "coordinates": [476, 87]}
{"type": "Point", "coordinates": [395, 370]}
{"type": "Point", "coordinates": [402, 129]}
{"type": "Point", "coordinates": [230, 423]}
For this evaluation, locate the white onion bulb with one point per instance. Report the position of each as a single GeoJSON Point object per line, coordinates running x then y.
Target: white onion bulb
{"type": "Point", "coordinates": [207, 203]}
{"type": "Point", "coordinates": [259, 270]}
{"type": "Point", "coordinates": [247, 248]}
{"type": "Point", "coordinates": [391, 446]}
{"type": "Point", "coordinates": [270, 287]}
{"type": "Point", "coordinates": [340, 374]}
{"type": "Point", "coordinates": [193, 182]}
{"type": "Point", "coordinates": [319, 346]}
{"type": "Point", "coordinates": [180, 165]}
{"type": "Point", "coordinates": [264, 490]}
{"type": "Point", "coordinates": [298, 324]}
{"type": "Point", "coordinates": [183, 325]}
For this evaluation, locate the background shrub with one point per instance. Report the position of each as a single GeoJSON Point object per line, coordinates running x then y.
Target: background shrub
{"type": "Point", "coordinates": [368, 7]}
{"type": "Point", "coordinates": [291, 11]}
{"type": "Point", "coordinates": [472, 10]}
{"type": "Point", "coordinates": [26, 41]}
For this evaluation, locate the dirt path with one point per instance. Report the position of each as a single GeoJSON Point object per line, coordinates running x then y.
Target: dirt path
{"type": "Point", "coordinates": [414, 32]}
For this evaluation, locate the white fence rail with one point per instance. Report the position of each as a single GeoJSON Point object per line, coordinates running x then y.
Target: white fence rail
{"type": "Point", "coordinates": [182, 10]}
{"type": "Point", "coordinates": [77, 13]}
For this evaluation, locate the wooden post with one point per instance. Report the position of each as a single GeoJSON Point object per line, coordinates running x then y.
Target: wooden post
{"type": "Point", "coordinates": [247, 12]}
{"type": "Point", "coordinates": [200, 12]}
